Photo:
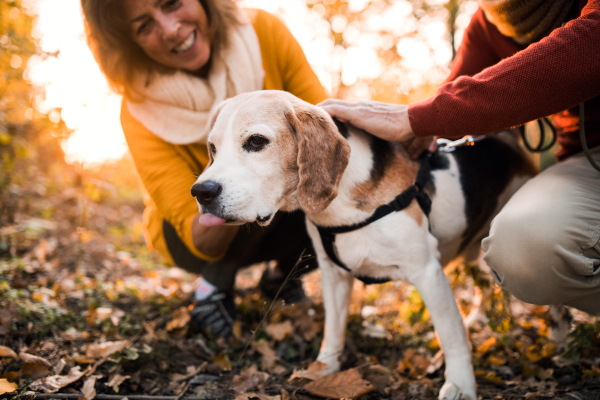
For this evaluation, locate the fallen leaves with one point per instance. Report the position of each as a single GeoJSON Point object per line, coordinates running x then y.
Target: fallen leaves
{"type": "Point", "coordinates": [222, 360]}
{"type": "Point", "coordinates": [315, 370]}
{"type": "Point", "coordinates": [99, 350]}
{"type": "Point", "coordinates": [89, 387]}
{"type": "Point", "coordinates": [256, 396]}
{"type": "Point", "coordinates": [115, 381]}
{"type": "Point", "coordinates": [249, 379]}
{"type": "Point", "coordinates": [279, 331]}
{"type": "Point", "coordinates": [341, 384]}
{"type": "Point", "coordinates": [54, 383]}
{"type": "Point", "coordinates": [179, 319]}
{"type": "Point", "coordinates": [31, 359]}
{"type": "Point", "coordinates": [34, 371]}
{"type": "Point", "coordinates": [7, 387]}
{"type": "Point", "coordinates": [7, 352]}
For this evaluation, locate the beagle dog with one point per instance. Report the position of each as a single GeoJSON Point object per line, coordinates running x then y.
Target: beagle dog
{"type": "Point", "coordinates": [270, 151]}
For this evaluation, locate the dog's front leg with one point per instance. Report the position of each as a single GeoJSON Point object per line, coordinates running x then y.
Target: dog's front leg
{"type": "Point", "coordinates": [433, 286]}
{"type": "Point", "coordinates": [337, 288]}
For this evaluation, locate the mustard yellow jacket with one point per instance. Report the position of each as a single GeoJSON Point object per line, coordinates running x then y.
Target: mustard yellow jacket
{"type": "Point", "coordinates": [168, 171]}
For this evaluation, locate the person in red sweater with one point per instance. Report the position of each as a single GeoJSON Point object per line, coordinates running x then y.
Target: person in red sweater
{"type": "Point", "coordinates": [520, 61]}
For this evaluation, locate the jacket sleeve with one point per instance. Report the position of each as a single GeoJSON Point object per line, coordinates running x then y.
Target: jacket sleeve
{"type": "Point", "coordinates": [554, 74]}
{"type": "Point", "coordinates": [167, 175]}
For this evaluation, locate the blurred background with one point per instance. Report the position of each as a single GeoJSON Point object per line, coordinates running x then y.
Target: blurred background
{"type": "Point", "coordinates": [390, 50]}
{"type": "Point", "coordinates": [74, 264]}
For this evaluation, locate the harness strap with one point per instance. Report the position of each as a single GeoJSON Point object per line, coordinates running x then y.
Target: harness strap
{"type": "Point", "coordinates": [400, 202]}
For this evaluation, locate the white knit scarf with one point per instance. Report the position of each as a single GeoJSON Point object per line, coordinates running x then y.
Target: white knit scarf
{"type": "Point", "coordinates": [177, 107]}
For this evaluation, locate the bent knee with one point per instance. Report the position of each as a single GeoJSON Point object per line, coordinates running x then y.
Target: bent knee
{"type": "Point", "coordinates": [524, 253]}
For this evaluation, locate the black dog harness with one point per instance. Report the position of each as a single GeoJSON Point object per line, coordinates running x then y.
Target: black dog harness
{"type": "Point", "coordinates": [401, 201]}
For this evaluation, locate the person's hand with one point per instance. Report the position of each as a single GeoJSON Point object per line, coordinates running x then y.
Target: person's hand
{"type": "Point", "coordinates": [386, 121]}
{"type": "Point", "coordinates": [417, 145]}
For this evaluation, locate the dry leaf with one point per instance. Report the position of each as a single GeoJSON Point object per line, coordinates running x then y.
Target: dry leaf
{"type": "Point", "coordinates": [89, 387]}
{"type": "Point", "coordinates": [179, 319]}
{"type": "Point", "coordinates": [485, 346]}
{"type": "Point", "coordinates": [7, 387]}
{"type": "Point", "coordinates": [269, 356]}
{"type": "Point", "coordinates": [315, 370]}
{"type": "Point", "coordinates": [34, 371]}
{"type": "Point", "coordinates": [116, 380]}
{"type": "Point", "coordinates": [82, 359]}
{"type": "Point", "coordinates": [379, 376]}
{"type": "Point", "coordinates": [53, 383]}
{"type": "Point", "coordinates": [98, 350]}
{"type": "Point", "coordinates": [249, 379]}
{"type": "Point", "coordinates": [7, 352]}
{"type": "Point", "coordinates": [256, 396]}
{"type": "Point", "coordinates": [222, 360]}
{"type": "Point", "coordinates": [342, 384]}
{"type": "Point", "coordinates": [31, 359]}
{"type": "Point", "coordinates": [280, 331]}
{"type": "Point", "coordinates": [58, 368]}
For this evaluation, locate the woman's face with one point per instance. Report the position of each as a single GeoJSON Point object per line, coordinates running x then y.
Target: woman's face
{"type": "Point", "coordinates": [171, 32]}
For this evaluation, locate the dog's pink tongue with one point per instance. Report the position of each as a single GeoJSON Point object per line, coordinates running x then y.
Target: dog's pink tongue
{"type": "Point", "coordinates": [210, 220]}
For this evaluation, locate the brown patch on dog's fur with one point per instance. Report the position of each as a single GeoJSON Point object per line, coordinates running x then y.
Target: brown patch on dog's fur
{"type": "Point", "coordinates": [399, 174]}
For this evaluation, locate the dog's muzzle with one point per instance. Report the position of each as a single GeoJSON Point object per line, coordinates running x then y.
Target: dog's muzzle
{"type": "Point", "coordinates": [206, 192]}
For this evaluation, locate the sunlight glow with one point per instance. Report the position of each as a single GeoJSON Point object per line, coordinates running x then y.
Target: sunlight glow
{"type": "Point", "coordinates": [75, 91]}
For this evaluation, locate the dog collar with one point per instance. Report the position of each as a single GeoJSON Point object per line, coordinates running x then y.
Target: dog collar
{"type": "Point", "coordinates": [400, 202]}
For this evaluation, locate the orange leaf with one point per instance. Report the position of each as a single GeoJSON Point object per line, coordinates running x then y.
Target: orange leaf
{"type": "Point", "coordinates": [7, 387]}
{"type": "Point", "coordinates": [485, 346]}
{"type": "Point", "coordinates": [222, 360]}
{"type": "Point", "coordinates": [7, 352]}
{"type": "Point", "coordinates": [180, 319]}
{"type": "Point", "coordinates": [342, 384]}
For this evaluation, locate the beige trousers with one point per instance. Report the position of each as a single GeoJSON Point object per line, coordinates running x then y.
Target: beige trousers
{"type": "Point", "coordinates": [544, 246]}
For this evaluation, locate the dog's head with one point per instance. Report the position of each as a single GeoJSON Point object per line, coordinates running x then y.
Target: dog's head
{"type": "Point", "coordinates": [269, 151]}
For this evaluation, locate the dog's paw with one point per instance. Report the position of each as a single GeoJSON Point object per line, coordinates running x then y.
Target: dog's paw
{"type": "Point", "coordinates": [452, 392]}
{"type": "Point", "coordinates": [331, 361]}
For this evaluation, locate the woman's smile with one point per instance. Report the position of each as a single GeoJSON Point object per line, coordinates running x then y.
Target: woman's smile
{"type": "Point", "coordinates": [173, 33]}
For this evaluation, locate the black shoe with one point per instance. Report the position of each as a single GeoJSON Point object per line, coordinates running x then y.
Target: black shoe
{"type": "Point", "coordinates": [215, 315]}
{"type": "Point", "coordinates": [290, 293]}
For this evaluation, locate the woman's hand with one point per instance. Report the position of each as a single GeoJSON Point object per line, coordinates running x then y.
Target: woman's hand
{"type": "Point", "coordinates": [386, 121]}
{"type": "Point", "coordinates": [212, 241]}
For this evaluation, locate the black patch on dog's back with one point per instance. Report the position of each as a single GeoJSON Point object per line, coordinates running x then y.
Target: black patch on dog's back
{"type": "Point", "coordinates": [485, 171]}
{"type": "Point", "coordinates": [383, 154]}
{"type": "Point", "coordinates": [341, 127]}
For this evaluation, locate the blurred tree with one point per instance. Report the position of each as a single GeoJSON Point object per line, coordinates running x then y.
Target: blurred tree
{"type": "Point", "coordinates": [396, 51]}
{"type": "Point", "coordinates": [28, 139]}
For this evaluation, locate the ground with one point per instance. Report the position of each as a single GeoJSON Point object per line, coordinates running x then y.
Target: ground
{"type": "Point", "coordinates": [86, 310]}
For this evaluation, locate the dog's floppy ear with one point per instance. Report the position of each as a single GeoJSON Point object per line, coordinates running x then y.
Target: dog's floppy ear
{"type": "Point", "coordinates": [323, 155]}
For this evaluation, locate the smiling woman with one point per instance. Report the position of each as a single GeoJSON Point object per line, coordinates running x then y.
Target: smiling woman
{"type": "Point", "coordinates": [175, 61]}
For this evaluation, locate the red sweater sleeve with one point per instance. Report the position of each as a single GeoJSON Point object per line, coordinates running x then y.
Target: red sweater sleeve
{"type": "Point", "coordinates": [554, 74]}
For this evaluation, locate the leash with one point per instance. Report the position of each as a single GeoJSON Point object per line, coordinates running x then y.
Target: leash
{"type": "Point", "coordinates": [400, 202]}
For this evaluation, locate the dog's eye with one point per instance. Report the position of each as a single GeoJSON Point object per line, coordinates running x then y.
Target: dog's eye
{"type": "Point", "coordinates": [256, 143]}
{"type": "Point", "coordinates": [213, 149]}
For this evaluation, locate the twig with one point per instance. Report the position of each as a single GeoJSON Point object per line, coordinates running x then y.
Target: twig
{"type": "Point", "coordinates": [287, 278]}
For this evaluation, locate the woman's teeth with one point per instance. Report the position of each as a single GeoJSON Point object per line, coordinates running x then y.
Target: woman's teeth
{"type": "Point", "coordinates": [185, 46]}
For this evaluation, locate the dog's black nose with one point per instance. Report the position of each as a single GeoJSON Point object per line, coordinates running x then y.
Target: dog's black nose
{"type": "Point", "coordinates": [206, 191]}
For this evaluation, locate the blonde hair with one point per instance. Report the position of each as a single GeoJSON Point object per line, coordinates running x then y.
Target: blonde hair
{"type": "Point", "coordinates": [121, 59]}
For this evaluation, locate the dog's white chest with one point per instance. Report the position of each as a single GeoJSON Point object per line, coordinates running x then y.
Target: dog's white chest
{"type": "Point", "coordinates": [387, 249]}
